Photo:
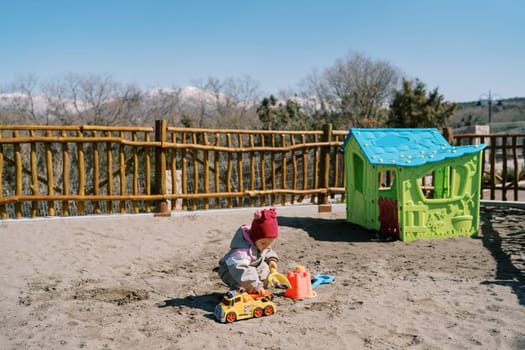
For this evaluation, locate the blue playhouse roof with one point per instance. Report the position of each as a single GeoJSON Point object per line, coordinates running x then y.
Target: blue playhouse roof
{"type": "Point", "coordinates": [406, 147]}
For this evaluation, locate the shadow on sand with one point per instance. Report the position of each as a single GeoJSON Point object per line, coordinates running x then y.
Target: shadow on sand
{"type": "Point", "coordinates": [502, 247]}
{"type": "Point", "coordinates": [332, 230]}
{"type": "Point", "coordinates": [204, 302]}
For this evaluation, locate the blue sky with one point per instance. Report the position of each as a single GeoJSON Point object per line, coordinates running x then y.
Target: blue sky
{"type": "Point", "coordinates": [464, 48]}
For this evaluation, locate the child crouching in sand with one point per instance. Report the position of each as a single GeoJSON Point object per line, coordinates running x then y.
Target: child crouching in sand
{"type": "Point", "coordinates": [248, 262]}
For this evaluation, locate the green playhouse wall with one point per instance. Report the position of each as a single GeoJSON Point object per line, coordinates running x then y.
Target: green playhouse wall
{"type": "Point", "coordinates": [454, 208]}
{"type": "Point", "coordinates": [360, 207]}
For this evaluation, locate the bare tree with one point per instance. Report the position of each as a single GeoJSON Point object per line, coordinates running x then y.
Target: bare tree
{"type": "Point", "coordinates": [99, 100]}
{"type": "Point", "coordinates": [23, 104]}
{"type": "Point", "coordinates": [352, 92]}
{"type": "Point", "coordinates": [230, 102]}
{"type": "Point", "coordinates": [161, 103]}
{"type": "Point", "coordinates": [93, 99]}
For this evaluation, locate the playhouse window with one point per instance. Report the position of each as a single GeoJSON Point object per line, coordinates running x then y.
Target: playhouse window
{"type": "Point", "coordinates": [437, 184]}
{"type": "Point", "coordinates": [358, 173]}
{"type": "Point", "coordinates": [386, 180]}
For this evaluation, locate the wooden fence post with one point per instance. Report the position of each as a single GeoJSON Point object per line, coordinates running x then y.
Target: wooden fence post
{"type": "Point", "coordinates": [161, 207]}
{"type": "Point", "coordinates": [3, 209]}
{"type": "Point", "coordinates": [322, 198]}
{"type": "Point", "coordinates": [448, 135]}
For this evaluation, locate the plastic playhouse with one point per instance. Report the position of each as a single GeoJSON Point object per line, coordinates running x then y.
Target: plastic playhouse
{"type": "Point", "coordinates": [411, 183]}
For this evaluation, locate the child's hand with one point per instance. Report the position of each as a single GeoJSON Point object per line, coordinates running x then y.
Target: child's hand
{"type": "Point", "coordinates": [262, 292]}
{"type": "Point", "coordinates": [272, 264]}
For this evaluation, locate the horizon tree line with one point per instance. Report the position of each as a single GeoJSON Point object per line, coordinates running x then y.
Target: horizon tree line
{"type": "Point", "coordinates": [356, 91]}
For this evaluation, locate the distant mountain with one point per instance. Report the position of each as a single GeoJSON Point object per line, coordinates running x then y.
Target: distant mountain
{"type": "Point", "coordinates": [39, 103]}
{"type": "Point", "coordinates": [184, 94]}
{"type": "Point", "coordinates": [11, 101]}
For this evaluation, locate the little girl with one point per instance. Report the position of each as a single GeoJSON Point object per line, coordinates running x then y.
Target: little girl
{"type": "Point", "coordinates": [248, 262]}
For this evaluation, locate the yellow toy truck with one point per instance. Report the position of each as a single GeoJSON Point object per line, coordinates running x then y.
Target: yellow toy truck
{"type": "Point", "coordinates": [239, 305]}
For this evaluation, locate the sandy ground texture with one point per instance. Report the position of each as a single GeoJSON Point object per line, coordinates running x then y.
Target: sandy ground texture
{"type": "Point", "coordinates": [144, 282]}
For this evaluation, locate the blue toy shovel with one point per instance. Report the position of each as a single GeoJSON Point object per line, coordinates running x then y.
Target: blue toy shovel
{"type": "Point", "coordinates": [322, 279]}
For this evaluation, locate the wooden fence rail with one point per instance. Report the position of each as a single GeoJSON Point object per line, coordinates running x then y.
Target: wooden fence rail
{"type": "Point", "coordinates": [80, 170]}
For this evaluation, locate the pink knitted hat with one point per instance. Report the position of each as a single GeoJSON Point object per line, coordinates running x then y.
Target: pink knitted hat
{"type": "Point", "coordinates": [264, 224]}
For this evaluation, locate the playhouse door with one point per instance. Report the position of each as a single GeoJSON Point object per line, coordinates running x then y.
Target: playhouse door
{"type": "Point", "coordinates": [388, 217]}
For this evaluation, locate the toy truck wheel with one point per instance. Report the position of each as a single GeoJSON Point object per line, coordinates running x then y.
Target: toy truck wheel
{"type": "Point", "coordinates": [258, 312]}
{"type": "Point", "coordinates": [231, 317]}
{"type": "Point", "coordinates": [268, 310]}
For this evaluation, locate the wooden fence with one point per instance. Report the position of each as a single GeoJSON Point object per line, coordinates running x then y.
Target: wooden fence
{"type": "Point", "coordinates": [81, 170]}
{"type": "Point", "coordinates": [503, 163]}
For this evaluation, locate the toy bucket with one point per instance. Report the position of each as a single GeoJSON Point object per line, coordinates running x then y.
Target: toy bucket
{"type": "Point", "coordinates": [300, 284]}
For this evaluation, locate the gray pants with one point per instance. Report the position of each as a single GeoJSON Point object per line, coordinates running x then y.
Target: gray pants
{"type": "Point", "coordinates": [263, 270]}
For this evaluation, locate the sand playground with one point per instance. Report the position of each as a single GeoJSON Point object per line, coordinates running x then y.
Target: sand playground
{"type": "Point", "coordinates": [145, 282]}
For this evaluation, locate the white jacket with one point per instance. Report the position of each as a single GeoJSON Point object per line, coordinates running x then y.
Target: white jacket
{"type": "Point", "coordinates": [244, 266]}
